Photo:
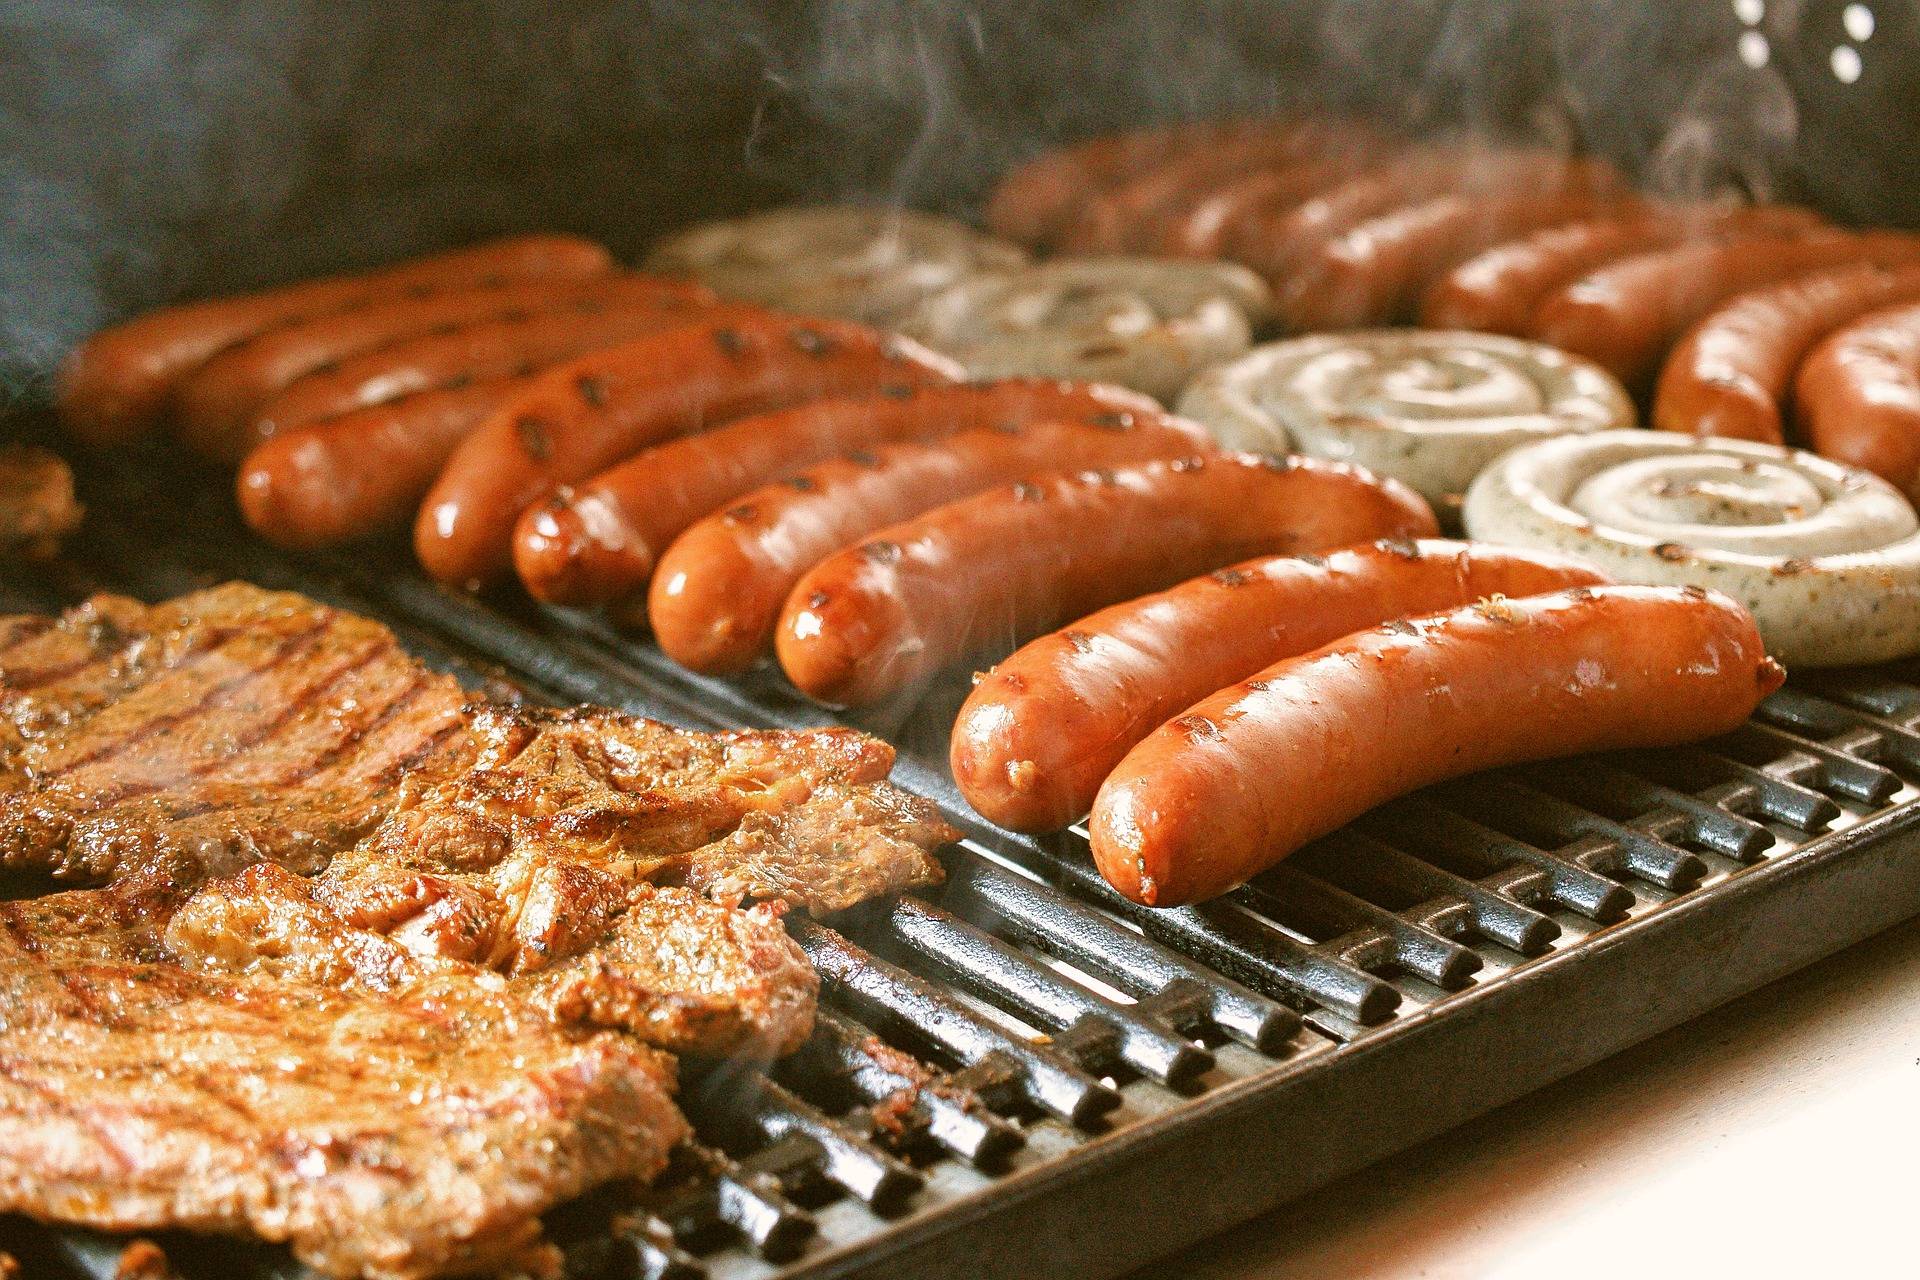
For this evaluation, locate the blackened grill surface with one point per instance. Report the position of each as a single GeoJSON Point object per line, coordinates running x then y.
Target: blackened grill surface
{"type": "Point", "coordinates": [1019, 1065]}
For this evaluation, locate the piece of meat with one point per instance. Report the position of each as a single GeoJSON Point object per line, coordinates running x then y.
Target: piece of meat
{"type": "Point", "coordinates": [407, 1133]}
{"type": "Point", "coordinates": [37, 504]}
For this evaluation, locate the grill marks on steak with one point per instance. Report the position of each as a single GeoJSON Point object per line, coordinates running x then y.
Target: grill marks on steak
{"type": "Point", "coordinates": [412, 1132]}
{"type": "Point", "coordinates": [427, 1005]}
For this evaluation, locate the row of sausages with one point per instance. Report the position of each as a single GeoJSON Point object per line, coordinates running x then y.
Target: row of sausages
{"type": "Point", "coordinates": [1755, 323]}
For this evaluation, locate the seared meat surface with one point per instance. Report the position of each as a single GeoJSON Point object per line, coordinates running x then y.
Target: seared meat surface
{"type": "Point", "coordinates": [380, 971]}
{"type": "Point", "coordinates": [37, 504]}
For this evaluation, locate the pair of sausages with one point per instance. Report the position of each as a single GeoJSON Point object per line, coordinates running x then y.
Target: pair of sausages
{"type": "Point", "coordinates": [1248, 775]}
{"type": "Point", "coordinates": [598, 542]}
{"type": "Point", "coordinates": [982, 574]}
{"type": "Point", "coordinates": [119, 382]}
{"type": "Point", "coordinates": [580, 417]}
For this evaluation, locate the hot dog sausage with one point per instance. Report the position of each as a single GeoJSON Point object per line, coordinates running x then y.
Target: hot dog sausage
{"type": "Point", "coordinates": [1499, 290]}
{"type": "Point", "coordinates": [1247, 776]}
{"type": "Point", "coordinates": [212, 402]}
{"type": "Point", "coordinates": [598, 542]}
{"type": "Point", "coordinates": [1857, 397]}
{"type": "Point", "coordinates": [1198, 224]}
{"type": "Point", "coordinates": [1731, 374]}
{"type": "Point", "coordinates": [116, 383]}
{"type": "Point", "coordinates": [510, 347]}
{"type": "Point", "coordinates": [1375, 272]}
{"type": "Point", "coordinates": [988, 571]}
{"type": "Point", "coordinates": [580, 417]}
{"type": "Point", "coordinates": [1043, 729]}
{"type": "Point", "coordinates": [1279, 247]}
{"type": "Point", "coordinates": [1625, 316]}
{"type": "Point", "coordinates": [718, 590]}
{"type": "Point", "coordinates": [351, 476]}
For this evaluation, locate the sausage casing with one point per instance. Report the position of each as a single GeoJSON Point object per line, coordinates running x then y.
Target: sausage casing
{"type": "Point", "coordinates": [1248, 775]}
{"type": "Point", "coordinates": [982, 574]}
{"type": "Point", "coordinates": [1857, 396]}
{"type": "Point", "coordinates": [1043, 729]}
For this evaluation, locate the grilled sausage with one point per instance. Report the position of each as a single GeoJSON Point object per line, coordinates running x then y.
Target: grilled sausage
{"type": "Point", "coordinates": [1499, 290]}
{"type": "Point", "coordinates": [354, 475]}
{"type": "Point", "coordinates": [116, 383]}
{"type": "Point", "coordinates": [597, 543]}
{"type": "Point", "coordinates": [1731, 374]}
{"type": "Point", "coordinates": [580, 417]}
{"type": "Point", "coordinates": [213, 402]}
{"type": "Point", "coordinates": [717, 593]}
{"type": "Point", "coordinates": [1248, 775]}
{"type": "Point", "coordinates": [1375, 273]}
{"type": "Point", "coordinates": [990, 570]}
{"type": "Point", "coordinates": [1858, 396]}
{"type": "Point", "coordinates": [1198, 224]}
{"type": "Point", "coordinates": [1043, 729]}
{"type": "Point", "coordinates": [1625, 316]}
{"type": "Point", "coordinates": [508, 347]}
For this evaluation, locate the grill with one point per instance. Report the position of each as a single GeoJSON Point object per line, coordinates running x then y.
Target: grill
{"type": "Point", "coordinates": [1021, 1064]}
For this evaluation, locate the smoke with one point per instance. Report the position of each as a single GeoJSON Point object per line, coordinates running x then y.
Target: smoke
{"type": "Point", "coordinates": [152, 151]}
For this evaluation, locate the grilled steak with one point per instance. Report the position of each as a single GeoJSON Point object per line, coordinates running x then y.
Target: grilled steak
{"type": "Point", "coordinates": [344, 902]}
{"type": "Point", "coordinates": [37, 504]}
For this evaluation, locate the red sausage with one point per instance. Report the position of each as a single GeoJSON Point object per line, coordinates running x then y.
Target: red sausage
{"type": "Point", "coordinates": [718, 590]}
{"type": "Point", "coordinates": [347, 477]}
{"type": "Point", "coordinates": [212, 403]}
{"type": "Point", "coordinates": [1198, 224]}
{"type": "Point", "coordinates": [509, 347]}
{"type": "Point", "coordinates": [1625, 316]}
{"type": "Point", "coordinates": [582, 416]}
{"type": "Point", "coordinates": [1499, 290]}
{"type": "Point", "coordinates": [1375, 273]}
{"type": "Point", "coordinates": [1858, 396]}
{"type": "Point", "coordinates": [116, 383]}
{"type": "Point", "coordinates": [1044, 728]}
{"type": "Point", "coordinates": [1248, 775]}
{"type": "Point", "coordinates": [986, 572]}
{"type": "Point", "coordinates": [1731, 374]}
{"type": "Point", "coordinates": [598, 542]}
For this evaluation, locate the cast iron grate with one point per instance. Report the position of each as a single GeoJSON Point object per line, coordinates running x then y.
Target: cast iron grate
{"type": "Point", "coordinates": [979, 1034]}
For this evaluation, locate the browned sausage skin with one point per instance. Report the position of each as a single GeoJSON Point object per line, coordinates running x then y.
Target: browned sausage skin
{"type": "Point", "coordinates": [597, 542]}
{"type": "Point", "coordinates": [717, 593]}
{"type": "Point", "coordinates": [116, 384]}
{"type": "Point", "coordinates": [1731, 374]}
{"type": "Point", "coordinates": [581, 417]}
{"type": "Point", "coordinates": [1043, 729]}
{"type": "Point", "coordinates": [1245, 777]}
{"type": "Point", "coordinates": [986, 572]}
{"type": "Point", "coordinates": [1858, 396]}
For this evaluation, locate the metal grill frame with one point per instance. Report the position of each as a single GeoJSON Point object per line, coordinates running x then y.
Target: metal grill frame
{"type": "Point", "coordinates": [1242, 1146]}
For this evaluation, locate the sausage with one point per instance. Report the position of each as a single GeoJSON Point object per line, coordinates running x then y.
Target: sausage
{"type": "Point", "coordinates": [1198, 224]}
{"type": "Point", "coordinates": [1858, 396]}
{"type": "Point", "coordinates": [1128, 215]}
{"type": "Point", "coordinates": [354, 475]}
{"type": "Point", "coordinates": [1033, 203]}
{"type": "Point", "coordinates": [212, 403]}
{"type": "Point", "coordinates": [116, 383]}
{"type": "Point", "coordinates": [578, 418]}
{"type": "Point", "coordinates": [1731, 374]}
{"type": "Point", "coordinates": [509, 347]}
{"type": "Point", "coordinates": [1245, 777]}
{"type": "Point", "coordinates": [1278, 247]}
{"type": "Point", "coordinates": [988, 571]}
{"type": "Point", "coordinates": [1043, 729]}
{"type": "Point", "coordinates": [1375, 273]}
{"type": "Point", "coordinates": [598, 542]}
{"type": "Point", "coordinates": [1498, 291]}
{"type": "Point", "coordinates": [717, 593]}
{"type": "Point", "coordinates": [1625, 316]}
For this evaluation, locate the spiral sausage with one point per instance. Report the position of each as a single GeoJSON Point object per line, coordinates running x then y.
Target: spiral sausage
{"type": "Point", "coordinates": [1043, 729]}
{"type": "Point", "coordinates": [1245, 777]}
{"type": "Point", "coordinates": [986, 572]}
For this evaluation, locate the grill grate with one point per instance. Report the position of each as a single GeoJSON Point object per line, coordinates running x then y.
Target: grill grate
{"type": "Point", "coordinates": [1023, 1025]}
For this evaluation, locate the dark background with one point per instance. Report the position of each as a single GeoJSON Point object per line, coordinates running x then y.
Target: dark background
{"type": "Point", "coordinates": [151, 151]}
